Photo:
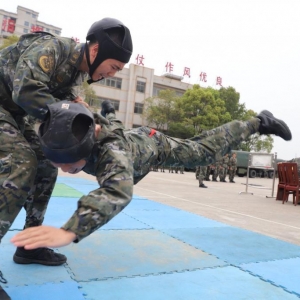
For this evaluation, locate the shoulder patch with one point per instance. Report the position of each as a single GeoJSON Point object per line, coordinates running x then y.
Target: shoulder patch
{"type": "Point", "coordinates": [46, 62]}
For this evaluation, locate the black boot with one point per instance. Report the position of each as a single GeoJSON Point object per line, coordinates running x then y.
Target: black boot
{"type": "Point", "coordinates": [107, 107]}
{"type": "Point", "coordinates": [202, 185]}
{"type": "Point", "coordinates": [3, 294]}
{"type": "Point", "coordinates": [232, 181]}
{"type": "Point", "coordinates": [271, 125]}
{"type": "Point", "coordinates": [42, 256]}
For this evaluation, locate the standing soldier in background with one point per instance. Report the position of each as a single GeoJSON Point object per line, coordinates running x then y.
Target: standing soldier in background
{"type": "Point", "coordinates": [201, 176]}
{"type": "Point", "coordinates": [224, 168]}
{"type": "Point", "coordinates": [216, 171]}
{"type": "Point", "coordinates": [232, 167]}
{"type": "Point", "coordinates": [209, 168]}
{"type": "Point", "coordinates": [197, 172]}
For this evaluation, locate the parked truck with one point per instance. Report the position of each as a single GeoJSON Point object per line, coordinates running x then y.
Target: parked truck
{"type": "Point", "coordinates": [242, 166]}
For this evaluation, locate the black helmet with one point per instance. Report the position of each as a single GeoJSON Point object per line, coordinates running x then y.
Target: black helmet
{"type": "Point", "coordinates": [107, 47]}
{"type": "Point", "coordinates": [68, 133]}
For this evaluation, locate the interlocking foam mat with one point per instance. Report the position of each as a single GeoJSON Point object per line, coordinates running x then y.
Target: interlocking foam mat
{"type": "Point", "coordinates": [153, 251]}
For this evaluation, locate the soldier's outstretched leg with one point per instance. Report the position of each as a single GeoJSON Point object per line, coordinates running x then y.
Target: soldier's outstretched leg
{"type": "Point", "coordinates": [214, 144]}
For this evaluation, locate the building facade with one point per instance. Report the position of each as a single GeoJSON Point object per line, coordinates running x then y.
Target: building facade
{"type": "Point", "coordinates": [24, 21]}
{"type": "Point", "coordinates": [131, 86]}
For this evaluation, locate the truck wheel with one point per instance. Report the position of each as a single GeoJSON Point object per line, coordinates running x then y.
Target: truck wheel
{"type": "Point", "coordinates": [270, 174]}
{"type": "Point", "coordinates": [252, 173]}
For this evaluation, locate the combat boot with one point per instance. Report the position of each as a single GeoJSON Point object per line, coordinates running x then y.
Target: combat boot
{"type": "Point", "coordinates": [107, 107]}
{"type": "Point", "coordinates": [271, 125]}
{"type": "Point", "coordinates": [202, 185]}
{"type": "Point", "coordinates": [3, 294]}
{"type": "Point", "coordinates": [42, 256]}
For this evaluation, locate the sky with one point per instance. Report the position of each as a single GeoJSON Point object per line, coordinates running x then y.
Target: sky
{"type": "Point", "coordinates": [253, 45]}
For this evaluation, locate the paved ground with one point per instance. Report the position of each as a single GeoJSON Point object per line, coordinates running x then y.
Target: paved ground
{"type": "Point", "coordinates": [173, 241]}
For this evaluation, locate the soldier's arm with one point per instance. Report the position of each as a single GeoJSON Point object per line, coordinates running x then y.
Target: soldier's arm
{"type": "Point", "coordinates": [33, 73]}
{"type": "Point", "coordinates": [115, 176]}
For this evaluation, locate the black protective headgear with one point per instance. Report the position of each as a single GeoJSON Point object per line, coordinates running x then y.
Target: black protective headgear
{"type": "Point", "coordinates": [58, 133]}
{"type": "Point", "coordinates": [107, 47]}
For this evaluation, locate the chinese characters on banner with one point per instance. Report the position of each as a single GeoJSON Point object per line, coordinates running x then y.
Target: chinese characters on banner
{"type": "Point", "coordinates": [35, 28]}
{"type": "Point", "coordinates": [186, 71]}
{"type": "Point", "coordinates": [8, 25]}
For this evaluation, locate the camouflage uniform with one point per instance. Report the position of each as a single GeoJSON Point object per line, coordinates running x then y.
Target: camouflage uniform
{"type": "Point", "coordinates": [216, 171]}
{"type": "Point", "coordinates": [202, 174]}
{"type": "Point", "coordinates": [232, 167]}
{"type": "Point", "coordinates": [121, 158]}
{"type": "Point", "coordinates": [38, 70]}
{"type": "Point", "coordinates": [224, 168]}
{"type": "Point", "coordinates": [207, 175]}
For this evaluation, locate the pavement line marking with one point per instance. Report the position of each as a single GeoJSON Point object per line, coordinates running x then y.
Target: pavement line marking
{"type": "Point", "coordinates": [214, 207]}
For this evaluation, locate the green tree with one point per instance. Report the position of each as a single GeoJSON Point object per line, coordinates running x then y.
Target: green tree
{"type": "Point", "coordinates": [86, 92]}
{"type": "Point", "coordinates": [9, 41]}
{"type": "Point", "coordinates": [231, 99]}
{"type": "Point", "coordinates": [203, 109]}
{"type": "Point", "coordinates": [159, 111]}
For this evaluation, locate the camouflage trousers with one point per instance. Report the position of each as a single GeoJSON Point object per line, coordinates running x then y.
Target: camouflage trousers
{"type": "Point", "coordinates": [223, 172]}
{"type": "Point", "coordinates": [202, 174]}
{"type": "Point", "coordinates": [204, 149]}
{"type": "Point", "coordinates": [231, 172]}
{"type": "Point", "coordinates": [27, 179]}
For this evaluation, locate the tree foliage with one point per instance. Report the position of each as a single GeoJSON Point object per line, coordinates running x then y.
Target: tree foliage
{"type": "Point", "coordinates": [9, 41]}
{"type": "Point", "coordinates": [159, 111]}
{"type": "Point", "coordinates": [203, 109]}
{"type": "Point", "coordinates": [86, 92]}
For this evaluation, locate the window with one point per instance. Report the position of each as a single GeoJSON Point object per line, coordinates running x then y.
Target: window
{"type": "Point", "coordinates": [156, 90]}
{"type": "Point", "coordinates": [138, 108]}
{"type": "Point", "coordinates": [113, 82]}
{"type": "Point", "coordinates": [26, 23]}
{"type": "Point", "coordinates": [116, 103]}
{"type": "Point", "coordinates": [28, 13]}
{"type": "Point", "coordinates": [47, 29]}
{"type": "Point", "coordinates": [34, 16]}
{"type": "Point", "coordinates": [141, 86]}
{"type": "Point", "coordinates": [25, 30]}
{"type": "Point", "coordinates": [57, 32]}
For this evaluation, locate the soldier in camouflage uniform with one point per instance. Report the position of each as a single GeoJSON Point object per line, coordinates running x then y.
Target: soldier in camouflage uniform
{"type": "Point", "coordinates": [232, 167]}
{"type": "Point", "coordinates": [120, 158]}
{"type": "Point", "coordinates": [216, 171]}
{"type": "Point", "coordinates": [201, 176]}
{"type": "Point", "coordinates": [38, 70]}
{"type": "Point", "coordinates": [224, 168]}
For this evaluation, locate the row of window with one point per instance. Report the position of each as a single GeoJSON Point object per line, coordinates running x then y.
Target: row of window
{"type": "Point", "coordinates": [138, 107]}
{"type": "Point", "coordinates": [33, 15]}
{"type": "Point", "coordinates": [140, 86]}
{"type": "Point", "coordinates": [26, 30]}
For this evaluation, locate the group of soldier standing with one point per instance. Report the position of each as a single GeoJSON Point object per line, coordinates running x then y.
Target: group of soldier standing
{"type": "Point", "coordinates": [227, 165]}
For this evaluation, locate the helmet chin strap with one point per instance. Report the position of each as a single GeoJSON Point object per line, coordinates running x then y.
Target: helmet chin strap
{"type": "Point", "coordinates": [91, 71]}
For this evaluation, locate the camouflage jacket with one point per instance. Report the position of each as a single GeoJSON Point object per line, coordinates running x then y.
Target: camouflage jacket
{"type": "Point", "coordinates": [38, 70]}
{"type": "Point", "coordinates": [232, 162]}
{"type": "Point", "coordinates": [120, 159]}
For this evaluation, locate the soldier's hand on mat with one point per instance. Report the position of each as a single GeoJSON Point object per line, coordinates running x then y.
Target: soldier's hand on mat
{"type": "Point", "coordinates": [43, 236]}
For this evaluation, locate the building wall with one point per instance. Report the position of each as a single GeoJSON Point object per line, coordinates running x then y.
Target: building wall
{"type": "Point", "coordinates": [129, 96]}
{"type": "Point", "coordinates": [24, 21]}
